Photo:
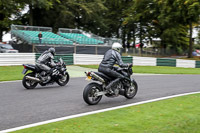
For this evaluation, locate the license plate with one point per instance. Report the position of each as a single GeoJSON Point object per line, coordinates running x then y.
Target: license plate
{"type": "Point", "coordinates": [24, 71]}
{"type": "Point", "coordinates": [88, 78]}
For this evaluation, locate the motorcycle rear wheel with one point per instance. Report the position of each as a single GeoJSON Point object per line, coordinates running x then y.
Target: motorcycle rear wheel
{"type": "Point", "coordinates": [29, 84]}
{"type": "Point", "coordinates": [132, 90]}
{"type": "Point", "coordinates": [89, 93]}
{"type": "Point", "coordinates": [63, 81]}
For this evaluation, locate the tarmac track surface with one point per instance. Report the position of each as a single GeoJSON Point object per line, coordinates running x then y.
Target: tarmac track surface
{"type": "Point", "coordinates": [19, 106]}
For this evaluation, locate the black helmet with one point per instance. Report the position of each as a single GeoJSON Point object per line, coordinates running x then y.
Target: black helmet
{"type": "Point", "coordinates": [52, 50]}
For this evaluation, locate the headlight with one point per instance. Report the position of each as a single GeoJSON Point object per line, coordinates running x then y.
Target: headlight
{"type": "Point", "coordinates": [64, 73]}
{"type": "Point", "coordinates": [63, 69]}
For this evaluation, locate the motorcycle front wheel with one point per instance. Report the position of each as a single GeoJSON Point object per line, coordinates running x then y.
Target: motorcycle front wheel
{"type": "Point", "coordinates": [132, 90]}
{"type": "Point", "coordinates": [90, 93]}
{"type": "Point", "coordinates": [64, 80]}
{"type": "Point", "coordinates": [29, 84]}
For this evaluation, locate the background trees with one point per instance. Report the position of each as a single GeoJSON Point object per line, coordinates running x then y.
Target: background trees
{"type": "Point", "coordinates": [170, 20]}
{"type": "Point", "coordinates": [65, 13]}
{"type": "Point", "coordinates": [9, 13]}
{"type": "Point", "coordinates": [189, 11]}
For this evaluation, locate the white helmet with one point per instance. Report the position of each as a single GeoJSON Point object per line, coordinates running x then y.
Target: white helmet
{"type": "Point", "coordinates": [116, 46]}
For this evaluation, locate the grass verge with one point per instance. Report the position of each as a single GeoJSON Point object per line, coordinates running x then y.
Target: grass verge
{"type": "Point", "coordinates": [157, 69]}
{"type": "Point", "coordinates": [8, 73]}
{"type": "Point", "coordinates": [176, 115]}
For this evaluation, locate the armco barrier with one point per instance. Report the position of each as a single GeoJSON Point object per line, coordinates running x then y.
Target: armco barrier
{"type": "Point", "coordinates": [67, 58]}
{"type": "Point", "coordinates": [11, 59]}
{"type": "Point", "coordinates": [87, 59]}
{"type": "Point", "coordinates": [166, 62]}
{"type": "Point", "coordinates": [144, 61]}
{"type": "Point", "coordinates": [197, 64]}
{"type": "Point", "coordinates": [127, 59]}
{"type": "Point", "coordinates": [185, 63]}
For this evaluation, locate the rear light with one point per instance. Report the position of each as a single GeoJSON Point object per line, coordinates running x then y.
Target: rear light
{"type": "Point", "coordinates": [88, 73]}
{"type": "Point", "coordinates": [24, 67]}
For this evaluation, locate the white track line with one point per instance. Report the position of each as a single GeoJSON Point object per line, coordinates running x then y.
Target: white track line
{"type": "Point", "coordinates": [92, 112]}
{"type": "Point", "coordinates": [1, 82]}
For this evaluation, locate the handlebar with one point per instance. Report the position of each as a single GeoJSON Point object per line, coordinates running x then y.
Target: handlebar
{"type": "Point", "coordinates": [130, 65]}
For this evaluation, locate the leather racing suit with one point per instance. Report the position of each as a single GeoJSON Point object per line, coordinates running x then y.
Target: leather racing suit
{"type": "Point", "coordinates": [46, 60]}
{"type": "Point", "coordinates": [111, 58]}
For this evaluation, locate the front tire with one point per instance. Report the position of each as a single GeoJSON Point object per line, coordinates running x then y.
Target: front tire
{"type": "Point", "coordinates": [132, 90]}
{"type": "Point", "coordinates": [64, 80]}
{"type": "Point", "coordinates": [29, 84]}
{"type": "Point", "coordinates": [89, 93]}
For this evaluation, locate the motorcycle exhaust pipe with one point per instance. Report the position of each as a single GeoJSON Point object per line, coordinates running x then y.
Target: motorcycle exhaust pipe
{"type": "Point", "coordinates": [33, 78]}
{"type": "Point", "coordinates": [97, 77]}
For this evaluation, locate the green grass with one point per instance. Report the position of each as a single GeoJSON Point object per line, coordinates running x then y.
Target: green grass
{"type": "Point", "coordinates": [158, 69]}
{"type": "Point", "coordinates": [8, 73]}
{"type": "Point", "coordinates": [176, 115]}
{"type": "Point", "coordinates": [165, 70]}
{"type": "Point", "coordinates": [90, 66]}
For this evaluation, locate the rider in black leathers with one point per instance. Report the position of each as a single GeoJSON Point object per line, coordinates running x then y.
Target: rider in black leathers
{"type": "Point", "coordinates": [45, 61]}
{"type": "Point", "coordinates": [111, 58]}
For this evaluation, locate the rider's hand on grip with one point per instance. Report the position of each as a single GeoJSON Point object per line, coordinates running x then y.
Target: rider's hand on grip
{"type": "Point", "coordinates": [130, 64]}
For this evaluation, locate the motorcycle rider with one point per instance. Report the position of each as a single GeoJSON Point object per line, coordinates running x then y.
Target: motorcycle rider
{"type": "Point", "coordinates": [112, 57]}
{"type": "Point", "coordinates": [45, 61]}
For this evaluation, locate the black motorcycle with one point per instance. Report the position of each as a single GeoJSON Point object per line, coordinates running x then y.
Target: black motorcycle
{"type": "Point", "coordinates": [94, 91]}
{"type": "Point", "coordinates": [59, 75]}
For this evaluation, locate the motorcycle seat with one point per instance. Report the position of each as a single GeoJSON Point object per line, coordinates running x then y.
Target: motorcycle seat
{"type": "Point", "coordinates": [35, 67]}
{"type": "Point", "coordinates": [103, 76]}
{"type": "Point", "coordinates": [31, 65]}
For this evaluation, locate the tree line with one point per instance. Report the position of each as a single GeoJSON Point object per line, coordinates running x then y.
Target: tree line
{"type": "Point", "coordinates": [170, 20]}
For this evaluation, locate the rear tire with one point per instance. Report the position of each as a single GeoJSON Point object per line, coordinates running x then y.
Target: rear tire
{"type": "Point", "coordinates": [29, 84]}
{"type": "Point", "coordinates": [64, 81]}
{"type": "Point", "coordinates": [89, 93]}
{"type": "Point", "coordinates": [132, 90]}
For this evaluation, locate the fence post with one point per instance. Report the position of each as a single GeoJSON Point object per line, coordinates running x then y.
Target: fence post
{"type": "Point", "coordinates": [33, 48]}
{"type": "Point", "coordinates": [75, 49]}
{"type": "Point", "coordinates": [96, 50]}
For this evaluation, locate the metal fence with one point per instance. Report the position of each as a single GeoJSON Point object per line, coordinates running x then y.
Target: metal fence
{"type": "Point", "coordinates": [107, 41]}
{"type": "Point", "coordinates": [22, 32]}
{"type": "Point", "coordinates": [67, 30]}
{"type": "Point", "coordinates": [30, 28]}
{"type": "Point", "coordinates": [76, 49]}
{"type": "Point", "coordinates": [152, 52]}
